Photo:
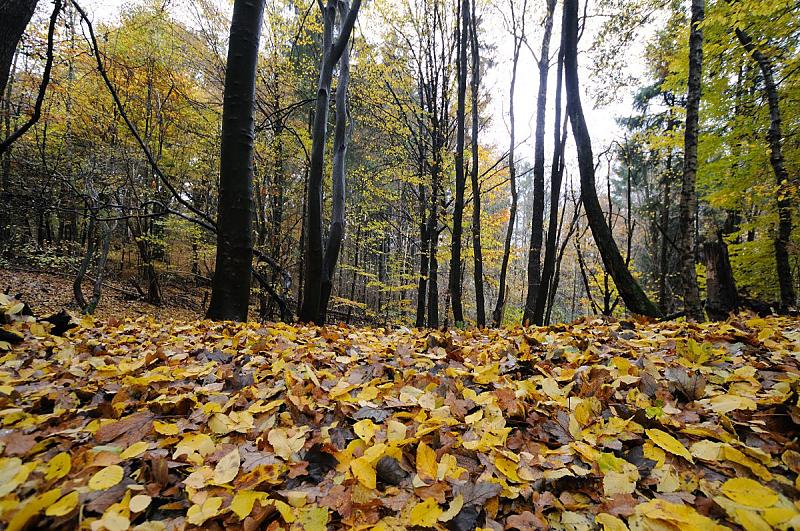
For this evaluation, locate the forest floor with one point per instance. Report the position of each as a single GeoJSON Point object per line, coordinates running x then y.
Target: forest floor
{"type": "Point", "coordinates": [48, 292]}
{"type": "Point", "coordinates": [615, 424]}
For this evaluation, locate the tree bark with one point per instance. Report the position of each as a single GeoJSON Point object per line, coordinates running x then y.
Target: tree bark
{"type": "Point", "coordinates": [331, 52]}
{"type": "Point", "coordinates": [775, 140]}
{"type": "Point", "coordinates": [688, 200]}
{"type": "Point", "coordinates": [630, 291]}
{"type": "Point", "coordinates": [556, 176]}
{"type": "Point", "coordinates": [422, 287]}
{"type": "Point", "coordinates": [14, 18]}
{"type": "Point", "coordinates": [336, 230]}
{"type": "Point", "coordinates": [537, 217]}
{"type": "Point", "coordinates": [722, 297]}
{"type": "Point", "coordinates": [480, 303]}
{"type": "Point", "coordinates": [454, 279]}
{"type": "Point", "coordinates": [230, 288]}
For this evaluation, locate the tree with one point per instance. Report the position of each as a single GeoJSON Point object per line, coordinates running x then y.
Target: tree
{"type": "Point", "coordinates": [776, 159]}
{"type": "Point", "coordinates": [517, 28]}
{"type": "Point", "coordinates": [230, 293]}
{"type": "Point", "coordinates": [537, 219]}
{"type": "Point", "coordinates": [312, 309]}
{"type": "Point", "coordinates": [14, 18]}
{"type": "Point", "coordinates": [630, 291]}
{"type": "Point", "coordinates": [688, 197]}
{"type": "Point", "coordinates": [475, 81]}
{"type": "Point", "coordinates": [454, 280]}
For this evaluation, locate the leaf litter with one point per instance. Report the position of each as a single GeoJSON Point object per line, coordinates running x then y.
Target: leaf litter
{"type": "Point", "coordinates": [601, 424]}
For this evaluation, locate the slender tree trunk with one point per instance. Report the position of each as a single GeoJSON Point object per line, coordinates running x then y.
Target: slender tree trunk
{"type": "Point", "coordinates": [331, 52]}
{"type": "Point", "coordinates": [336, 229]}
{"type": "Point", "coordinates": [688, 199]}
{"type": "Point", "coordinates": [633, 295]}
{"type": "Point", "coordinates": [537, 217]}
{"type": "Point", "coordinates": [784, 194]}
{"type": "Point", "coordinates": [433, 266]}
{"type": "Point", "coordinates": [663, 271]}
{"type": "Point", "coordinates": [424, 262]}
{"type": "Point", "coordinates": [454, 283]}
{"type": "Point", "coordinates": [480, 304]}
{"type": "Point", "coordinates": [230, 288]}
{"type": "Point", "coordinates": [556, 175]}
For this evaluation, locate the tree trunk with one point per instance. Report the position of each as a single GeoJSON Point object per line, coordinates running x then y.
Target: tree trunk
{"type": "Point", "coordinates": [633, 295]}
{"type": "Point", "coordinates": [663, 261]}
{"type": "Point", "coordinates": [721, 295]}
{"type": "Point", "coordinates": [688, 200]}
{"type": "Point", "coordinates": [480, 304]}
{"type": "Point", "coordinates": [336, 229]}
{"type": "Point", "coordinates": [424, 238]}
{"type": "Point", "coordinates": [14, 18]}
{"type": "Point", "coordinates": [331, 52]}
{"type": "Point", "coordinates": [454, 283]}
{"type": "Point", "coordinates": [775, 140]}
{"type": "Point", "coordinates": [537, 217]}
{"type": "Point", "coordinates": [556, 175]}
{"type": "Point", "coordinates": [230, 288]}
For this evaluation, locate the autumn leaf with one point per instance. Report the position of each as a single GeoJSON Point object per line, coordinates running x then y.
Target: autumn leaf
{"type": "Point", "coordinates": [425, 513]}
{"type": "Point", "coordinates": [106, 478]}
{"type": "Point", "coordinates": [227, 468]}
{"type": "Point", "coordinates": [669, 443]}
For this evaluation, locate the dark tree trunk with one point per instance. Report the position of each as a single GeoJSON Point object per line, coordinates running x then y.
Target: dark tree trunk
{"type": "Point", "coordinates": [230, 288]}
{"type": "Point", "coordinates": [336, 230]}
{"type": "Point", "coordinates": [556, 175]}
{"type": "Point", "coordinates": [633, 295]}
{"type": "Point", "coordinates": [784, 194]}
{"type": "Point", "coordinates": [14, 18]}
{"type": "Point", "coordinates": [721, 295]}
{"type": "Point", "coordinates": [480, 303]}
{"type": "Point", "coordinates": [663, 268]}
{"type": "Point", "coordinates": [688, 199]}
{"type": "Point", "coordinates": [454, 279]}
{"type": "Point", "coordinates": [537, 217]}
{"type": "Point", "coordinates": [424, 238]}
{"type": "Point", "coordinates": [433, 265]}
{"type": "Point", "coordinates": [331, 52]}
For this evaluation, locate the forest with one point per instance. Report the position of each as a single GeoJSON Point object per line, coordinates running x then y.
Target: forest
{"type": "Point", "coordinates": [421, 264]}
{"type": "Point", "coordinates": [426, 163]}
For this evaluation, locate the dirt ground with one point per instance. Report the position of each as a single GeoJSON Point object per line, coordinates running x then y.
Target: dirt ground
{"type": "Point", "coordinates": [48, 292]}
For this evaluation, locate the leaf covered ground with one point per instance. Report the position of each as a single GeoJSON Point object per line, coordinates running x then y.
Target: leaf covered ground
{"type": "Point", "coordinates": [599, 424]}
